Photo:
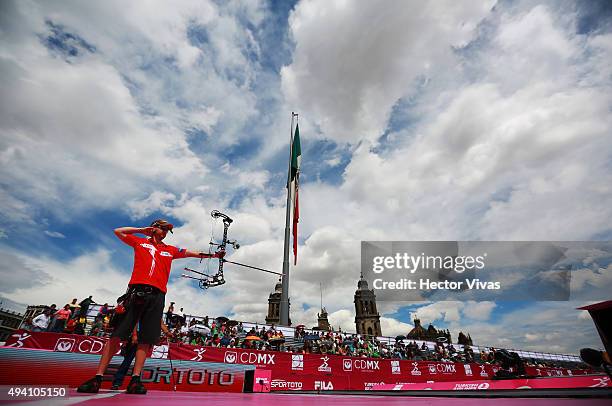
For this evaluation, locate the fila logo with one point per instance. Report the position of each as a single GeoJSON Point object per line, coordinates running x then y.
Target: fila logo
{"type": "Point", "coordinates": [323, 385]}
{"type": "Point", "coordinates": [165, 254]}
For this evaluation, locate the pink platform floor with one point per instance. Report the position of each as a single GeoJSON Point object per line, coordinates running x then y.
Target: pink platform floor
{"type": "Point", "coordinates": [162, 398]}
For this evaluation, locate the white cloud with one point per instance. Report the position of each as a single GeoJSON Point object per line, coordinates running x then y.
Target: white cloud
{"type": "Point", "coordinates": [352, 64]}
{"type": "Point", "coordinates": [54, 234]}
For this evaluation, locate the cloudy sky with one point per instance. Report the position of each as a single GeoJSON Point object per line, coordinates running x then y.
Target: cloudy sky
{"type": "Point", "coordinates": [420, 120]}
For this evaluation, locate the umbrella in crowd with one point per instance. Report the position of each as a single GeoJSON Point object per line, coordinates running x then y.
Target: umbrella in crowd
{"type": "Point", "coordinates": [253, 338]}
{"type": "Point", "coordinates": [232, 323]}
{"type": "Point", "coordinates": [222, 319]}
{"type": "Point", "coordinates": [311, 337]}
{"type": "Point", "coordinates": [200, 328]}
{"type": "Point", "coordinates": [400, 338]}
{"type": "Point", "coordinates": [300, 326]}
{"type": "Point", "coordinates": [277, 340]}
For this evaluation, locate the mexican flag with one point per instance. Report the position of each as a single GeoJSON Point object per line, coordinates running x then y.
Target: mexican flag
{"type": "Point", "coordinates": [296, 159]}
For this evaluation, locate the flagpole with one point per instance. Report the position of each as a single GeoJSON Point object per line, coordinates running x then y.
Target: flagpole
{"type": "Point", "coordinates": [284, 304]}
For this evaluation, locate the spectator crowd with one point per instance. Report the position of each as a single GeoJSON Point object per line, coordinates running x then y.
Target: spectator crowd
{"type": "Point", "coordinates": [72, 318]}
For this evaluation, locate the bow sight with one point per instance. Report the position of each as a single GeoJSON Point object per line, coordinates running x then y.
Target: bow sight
{"type": "Point", "coordinates": [206, 281]}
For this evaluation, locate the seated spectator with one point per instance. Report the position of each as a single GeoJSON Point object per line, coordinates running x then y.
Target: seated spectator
{"type": "Point", "coordinates": [41, 322]}
{"type": "Point", "coordinates": [79, 328]}
{"type": "Point", "coordinates": [104, 310]}
{"type": "Point", "coordinates": [70, 326]}
{"type": "Point", "coordinates": [27, 324]}
{"type": "Point", "coordinates": [97, 328]}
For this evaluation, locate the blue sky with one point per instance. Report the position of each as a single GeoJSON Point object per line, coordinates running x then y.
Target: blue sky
{"type": "Point", "coordinates": [419, 121]}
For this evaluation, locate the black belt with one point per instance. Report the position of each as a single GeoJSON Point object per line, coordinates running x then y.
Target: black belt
{"type": "Point", "coordinates": [141, 290]}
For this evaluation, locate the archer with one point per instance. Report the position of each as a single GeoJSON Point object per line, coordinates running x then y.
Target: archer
{"type": "Point", "coordinates": [145, 297]}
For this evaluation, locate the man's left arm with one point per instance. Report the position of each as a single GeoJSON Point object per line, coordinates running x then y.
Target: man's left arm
{"type": "Point", "coordinates": [193, 254]}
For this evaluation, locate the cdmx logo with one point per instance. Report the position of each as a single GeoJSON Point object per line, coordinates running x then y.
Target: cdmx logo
{"type": "Point", "coordinates": [365, 365]}
{"type": "Point", "coordinates": [232, 357]}
{"type": "Point", "coordinates": [64, 344]}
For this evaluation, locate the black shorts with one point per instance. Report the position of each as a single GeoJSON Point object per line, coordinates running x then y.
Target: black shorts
{"type": "Point", "coordinates": [145, 308]}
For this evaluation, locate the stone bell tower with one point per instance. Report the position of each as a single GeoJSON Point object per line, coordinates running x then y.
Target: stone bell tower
{"type": "Point", "coordinates": [367, 319]}
{"type": "Point", "coordinates": [274, 301]}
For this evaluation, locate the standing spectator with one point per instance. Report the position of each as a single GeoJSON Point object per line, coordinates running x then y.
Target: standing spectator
{"type": "Point", "coordinates": [181, 316]}
{"type": "Point", "coordinates": [169, 313]}
{"type": "Point", "coordinates": [61, 317]}
{"type": "Point", "coordinates": [74, 306]}
{"type": "Point", "coordinates": [41, 322]}
{"type": "Point", "coordinates": [85, 303]}
{"type": "Point", "coordinates": [52, 312]}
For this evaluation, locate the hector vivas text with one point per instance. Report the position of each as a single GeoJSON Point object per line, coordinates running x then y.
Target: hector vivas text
{"type": "Point", "coordinates": [414, 265]}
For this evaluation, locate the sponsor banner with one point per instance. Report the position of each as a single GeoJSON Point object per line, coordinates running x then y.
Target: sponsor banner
{"type": "Point", "coordinates": [289, 370]}
{"type": "Point", "coordinates": [262, 380]}
{"type": "Point", "coordinates": [591, 381]}
{"type": "Point", "coordinates": [35, 367]}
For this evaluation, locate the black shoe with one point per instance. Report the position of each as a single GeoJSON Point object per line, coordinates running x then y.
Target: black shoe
{"type": "Point", "coordinates": [115, 387]}
{"type": "Point", "coordinates": [91, 386]}
{"type": "Point", "coordinates": [136, 387]}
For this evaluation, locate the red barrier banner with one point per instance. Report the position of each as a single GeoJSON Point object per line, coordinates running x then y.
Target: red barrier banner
{"type": "Point", "coordinates": [42, 367]}
{"type": "Point", "coordinates": [293, 371]}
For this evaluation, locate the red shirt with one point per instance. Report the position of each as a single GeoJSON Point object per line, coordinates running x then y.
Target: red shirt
{"type": "Point", "coordinates": [152, 262]}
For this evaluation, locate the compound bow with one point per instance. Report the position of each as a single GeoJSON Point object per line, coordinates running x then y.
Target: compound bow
{"type": "Point", "coordinates": [206, 281]}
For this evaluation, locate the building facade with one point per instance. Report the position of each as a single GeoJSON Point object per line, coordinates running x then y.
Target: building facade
{"type": "Point", "coordinates": [9, 322]}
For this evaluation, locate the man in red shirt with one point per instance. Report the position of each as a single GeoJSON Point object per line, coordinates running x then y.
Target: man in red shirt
{"type": "Point", "coordinates": [146, 294]}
